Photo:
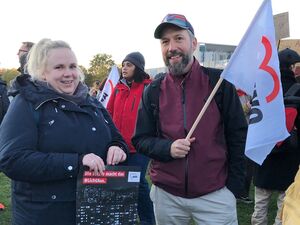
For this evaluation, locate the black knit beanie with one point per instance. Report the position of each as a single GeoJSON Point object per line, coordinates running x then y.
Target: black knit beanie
{"type": "Point", "coordinates": [136, 58]}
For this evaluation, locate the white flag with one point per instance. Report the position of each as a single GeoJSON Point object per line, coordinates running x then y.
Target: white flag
{"type": "Point", "coordinates": [254, 68]}
{"type": "Point", "coordinates": [109, 85]}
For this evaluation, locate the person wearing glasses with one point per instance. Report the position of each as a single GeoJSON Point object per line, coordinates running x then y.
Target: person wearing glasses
{"type": "Point", "coordinates": [53, 127]}
{"type": "Point", "coordinates": [195, 178]}
{"type": "Point", "coordinates": [22, 54]}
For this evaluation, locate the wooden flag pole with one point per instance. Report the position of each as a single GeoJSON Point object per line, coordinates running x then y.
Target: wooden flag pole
{"type": "Point", "coordinates": [212, 94]}
{"type": "Point", "coordinates": [278, 45]}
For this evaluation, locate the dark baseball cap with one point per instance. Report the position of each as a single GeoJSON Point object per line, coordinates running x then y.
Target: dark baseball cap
{"type": "Point", "coordinates": [173, 19]}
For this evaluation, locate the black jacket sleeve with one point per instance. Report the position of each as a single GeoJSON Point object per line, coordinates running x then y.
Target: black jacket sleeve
{"type": "Point", "coordinates": [146, 139]}
{"type": "Point", "coordinates": [235, 133]}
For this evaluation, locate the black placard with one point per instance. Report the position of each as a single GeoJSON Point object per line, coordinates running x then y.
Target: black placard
{"type": "Point", "coordinates": [110, 199]}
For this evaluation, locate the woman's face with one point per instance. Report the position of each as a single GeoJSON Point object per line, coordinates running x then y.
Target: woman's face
{"type": "Point", "coordinates": [62, 71]}
{"type": "Point", "coordinates": [128, 70]}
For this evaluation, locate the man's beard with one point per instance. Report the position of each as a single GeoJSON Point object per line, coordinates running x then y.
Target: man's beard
{"type": "Point", "coordinates": [177, 69]}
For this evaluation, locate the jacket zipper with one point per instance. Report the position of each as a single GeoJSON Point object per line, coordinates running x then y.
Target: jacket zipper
{"type": "Point", "coordinates": [186, 179]}
{"type": "Point", "coordinates": [133, 104]}
{"type": "Point", "coordinates": [50, 99]}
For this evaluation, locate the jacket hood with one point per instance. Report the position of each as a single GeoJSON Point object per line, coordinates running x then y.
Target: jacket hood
{"type": "Point", "coordinates": [14, 86]}
{"type": "Point", "coordinates": [145, 82]}
{"type": "Point", "coordinates": [2, 82]}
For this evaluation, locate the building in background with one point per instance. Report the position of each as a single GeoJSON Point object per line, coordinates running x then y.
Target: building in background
{"type": "Point", "coordinates": [214, 55]}
{"type": "Point", "coordinates": [154, 71]}
{"type": "Point", "coordinates": [209, 55]}
{"type": "Point", "coordinates": [295, 45]}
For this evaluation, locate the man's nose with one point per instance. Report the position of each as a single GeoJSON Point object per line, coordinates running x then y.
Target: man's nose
{"type": "Point", "coordinates": [172, 45]}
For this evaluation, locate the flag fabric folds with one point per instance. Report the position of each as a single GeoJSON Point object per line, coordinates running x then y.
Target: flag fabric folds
{"type": "Point", "coordinates": [109, 85]}
{"type": "Point", "coordinates": [254, 68]}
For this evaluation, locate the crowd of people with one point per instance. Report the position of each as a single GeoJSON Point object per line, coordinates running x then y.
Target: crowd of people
{"type": "Point", "coordinates": [64, 127]}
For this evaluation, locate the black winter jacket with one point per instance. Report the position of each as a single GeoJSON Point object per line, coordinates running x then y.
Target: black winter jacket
{"type": "Point", "coordinates": [41, 141]}
{"type": "Point", "coordinates": [4, 101]}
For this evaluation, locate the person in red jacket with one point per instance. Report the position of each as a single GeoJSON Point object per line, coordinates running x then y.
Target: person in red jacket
{"type": "Point", "coordinates": [123, 107]}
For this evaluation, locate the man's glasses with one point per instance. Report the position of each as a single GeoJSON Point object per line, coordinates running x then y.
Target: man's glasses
{"type": "Point", "coordinates": [21, 50]}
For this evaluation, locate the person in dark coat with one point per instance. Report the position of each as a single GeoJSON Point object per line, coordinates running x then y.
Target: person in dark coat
{"type": "Point", "coordinates": [52, 128]}
{"type": "Point", "coordinates": [4, 101]}
{"type": "Point", "coordinates": [280, 167]}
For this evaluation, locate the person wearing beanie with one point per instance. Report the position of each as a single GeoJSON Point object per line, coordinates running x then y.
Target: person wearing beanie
{"type": "Point", "coordinates": [137, 59]}
{"type": "Point", "coordinates": [123, 107]}
{"type": "Point", "coordinates": [291, 203]}
{"type": "Point", "coordinates": [287, 60]}
{"type": "Point", "coordinates": [193, 178]}
{"type": "Point", "coordinates": [288, 57]}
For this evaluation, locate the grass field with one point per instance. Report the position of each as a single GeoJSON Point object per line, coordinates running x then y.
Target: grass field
{"type": "Point", "coordinates": [5, 199]}
{"type": "Point", "coordinates": [244, 210]}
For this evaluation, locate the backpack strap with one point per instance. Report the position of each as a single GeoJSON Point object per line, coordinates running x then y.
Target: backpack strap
{"type": "Point", "coordinates": [292, 96]}
{"type": "Point", "coordinates": [293, 90]}
{"type": "Point", "coordinates": [214, 76]}
{"type": "Point", "coordinates": [154, 91]}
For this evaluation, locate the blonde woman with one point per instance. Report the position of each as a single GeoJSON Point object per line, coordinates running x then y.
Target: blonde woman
{"type": "Point", "coordinates": [51, 129]}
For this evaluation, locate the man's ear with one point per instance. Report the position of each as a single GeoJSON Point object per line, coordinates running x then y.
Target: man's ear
{"type": "Point", "coordinates": [194, 43]}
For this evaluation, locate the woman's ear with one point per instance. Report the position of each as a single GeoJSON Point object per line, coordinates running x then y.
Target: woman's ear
{"type": "Point", "coordinates": [43, 76]}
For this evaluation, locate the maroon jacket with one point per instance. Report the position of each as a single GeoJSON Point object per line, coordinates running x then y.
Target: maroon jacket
{"type": "Point", "coordinates": [123, 106]}
{"type": "Point", "coordinates": [205, 165]}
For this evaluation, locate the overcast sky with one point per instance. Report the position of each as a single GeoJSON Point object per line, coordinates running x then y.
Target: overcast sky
{"type": "Point", "coordinates": [117, 27]}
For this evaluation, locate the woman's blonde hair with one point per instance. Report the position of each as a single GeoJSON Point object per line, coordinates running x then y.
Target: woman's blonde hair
{"type": "Point", "coordinates": [38, 55]}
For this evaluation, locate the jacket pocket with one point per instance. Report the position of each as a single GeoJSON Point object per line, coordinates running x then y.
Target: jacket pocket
{"type": "Point", "coordinates": [60, 191]}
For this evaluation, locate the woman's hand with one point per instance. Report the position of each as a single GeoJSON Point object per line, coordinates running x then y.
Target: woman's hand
{"type": "Point", "coordinates": [94, 162]}
{"type": "Point", "coordinates": [115, 155]}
